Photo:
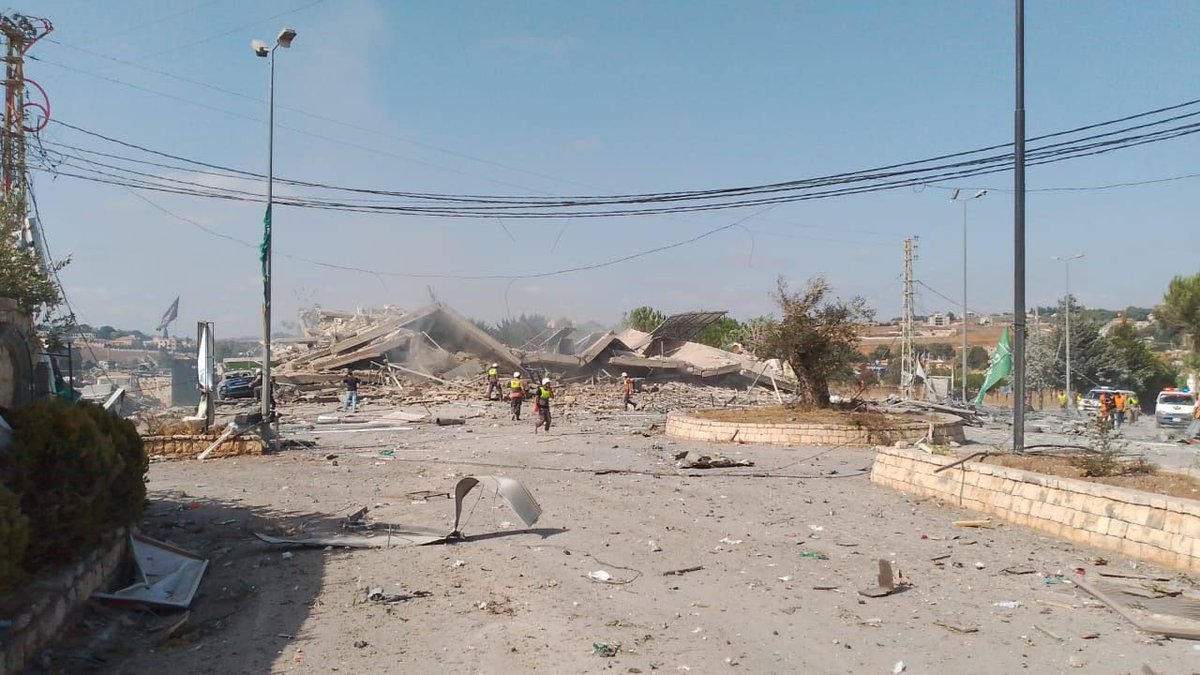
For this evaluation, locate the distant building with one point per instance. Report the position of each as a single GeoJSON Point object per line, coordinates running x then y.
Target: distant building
{"type": "Point", "coordinates": [937, 320]}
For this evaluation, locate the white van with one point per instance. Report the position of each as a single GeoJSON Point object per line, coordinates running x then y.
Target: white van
{"type": "Point", "coordinates": [1174, 408]}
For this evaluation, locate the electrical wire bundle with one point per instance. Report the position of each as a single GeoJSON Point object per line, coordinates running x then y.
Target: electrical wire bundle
{"type": "Point", "coordinates": [126, 164]}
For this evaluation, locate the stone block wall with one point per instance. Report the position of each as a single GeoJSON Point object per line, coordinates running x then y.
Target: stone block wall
{"type": "Point", "coordinates": [695, 428]}
{"type": "Point", "coordinates": [39, 611]}
{"type": "Point", "coordinates": [1155, 528]}
{"type": "Point", "coordinates": [188, 447]}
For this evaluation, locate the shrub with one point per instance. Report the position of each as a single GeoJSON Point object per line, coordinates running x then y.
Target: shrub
{"type": "Point", "coordinates": [61, 467]}
{"type": "Point", "coordinates": [127, 494]}
{"type": "Point", "coordinates": [14, 537]}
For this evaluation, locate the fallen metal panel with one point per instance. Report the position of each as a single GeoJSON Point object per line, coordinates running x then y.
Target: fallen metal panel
{"type": "Point", "coordinates": [685, 326]}
{"type": "Point", "coordinates": [169, 577]}
{"type": "Point", "coordinates": [513, 492]}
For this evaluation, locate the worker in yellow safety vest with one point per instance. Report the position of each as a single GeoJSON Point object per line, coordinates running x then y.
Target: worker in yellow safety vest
{"type": "Point", "coordinates": [493, 382]}
{"type": "Point", "coordinates": [542, 405]}
{"type": "Point", "coordinates": [516, 394]}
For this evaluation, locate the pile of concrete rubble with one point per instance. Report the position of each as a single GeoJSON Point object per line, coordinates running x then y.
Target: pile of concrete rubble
{"type": "Point", "coordinates": [434, 354]}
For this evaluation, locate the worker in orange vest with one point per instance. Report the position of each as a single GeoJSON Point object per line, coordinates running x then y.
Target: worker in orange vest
{"type": "Point", "coordinates": [1119, 402]}
{"type": "Point", "coordinates": [628, 391]}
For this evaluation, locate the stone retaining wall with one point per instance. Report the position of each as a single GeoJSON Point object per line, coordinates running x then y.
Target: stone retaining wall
{"type": "Point", "coordinates": [42, 609]}
{"type": "Point", "coordinates": [188, 447]}
{"type": "Point", "coordinates": [1151, 527]}
{"type": "Point", "coordinates": [946, 428]}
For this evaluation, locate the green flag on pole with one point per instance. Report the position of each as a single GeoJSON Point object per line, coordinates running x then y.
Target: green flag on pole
{"type": "Point", "coordinates": [266, 242]}
{"type": "Point", "coordinates": [999, 368]}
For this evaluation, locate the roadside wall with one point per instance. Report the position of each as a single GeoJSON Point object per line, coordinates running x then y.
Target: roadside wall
{"type": "Point", "coordinates": [1155, 528]}
{"type": "Point", "coordinates": [679, 425]}
{"type": "Point", "coordinates": [188, 447]}
{"type": "Point", "coordinates": [42, 609]}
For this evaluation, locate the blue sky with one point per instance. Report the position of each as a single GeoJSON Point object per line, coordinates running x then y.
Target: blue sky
{"type": "Point", "coordinates": [542, 98]}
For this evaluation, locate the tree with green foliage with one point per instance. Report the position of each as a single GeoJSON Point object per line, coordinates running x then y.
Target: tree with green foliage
{"type": "Point", "coordinates": [977, 358]}
{"type": "Point", "coordinates": [882, 353]}
{"type": "Point", "coordinates": [1141, 369]}
{"type": "Point", "coordinates": [817, 336]}
{"type": "Point", "coordinates": [722, 333]}
{"type": "Point", "coordinates": [644, 319]}
{"type": "Point", "coordinates": [941, 351]}
{"type": "Point", "coordinates": [21, 275]}
{"type": "Point", "coordinates": [1181, 308]}
{"type": "Point", "coordinates": [1093, 360]}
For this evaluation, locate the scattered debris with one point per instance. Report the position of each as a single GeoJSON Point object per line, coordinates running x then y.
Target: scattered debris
{"type": "Point", "coordinates": [1049, 633]}
{"type": "Point", "coordinates": [164, 576]}
{"type": "Point", "coordinates": [1018, 570]}
{"type": "Point", "coordinates": [605, 650]}
{"type": "Point", "coordinates": [601, 576]}
{"type": "Point", "coordinates": [682, 571]}
{"type": "Point", "coordinates": [886, 582]}
{"type": "Point", "coordinates": [986, 522]}
{"type": "Point", "coordinates": [709, 461]}
{"type": "Point", "coordinates": [961, 630]}
{"type": "Point", "coordinates": [814, 555]}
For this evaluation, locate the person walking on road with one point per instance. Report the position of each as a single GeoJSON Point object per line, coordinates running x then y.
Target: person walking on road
{"type": "Point", "coordinates": [493, 382]}
{"type": "Point", "coordinates": [1119, 403]}
{"type": "Point", "coordinates": [516, 394]}
{"type": "Point", "coordinates": [628, 391]}
{"type": "Point", "coordinates": [542, 404]}
{"type": "Point", "coordinates": [351, 384]}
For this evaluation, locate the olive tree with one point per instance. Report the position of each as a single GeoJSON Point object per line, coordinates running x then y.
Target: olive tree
{"type": "Point", "coordinates": [817, 335]}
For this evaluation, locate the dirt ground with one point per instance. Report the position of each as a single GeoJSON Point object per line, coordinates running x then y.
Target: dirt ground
{"type": "Point", "coordinates": [781, 558]}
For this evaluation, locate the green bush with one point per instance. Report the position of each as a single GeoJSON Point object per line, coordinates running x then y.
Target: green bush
{"type": "Point", "coordinates": [61, 466]}
{"type": "Point", "coordinates": [127, 494]}
{"type": "Point", "coordinates": [14, 537]}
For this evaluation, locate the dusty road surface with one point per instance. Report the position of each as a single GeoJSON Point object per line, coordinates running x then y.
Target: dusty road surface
{"type": "Point", "coordinates": [782, 552]}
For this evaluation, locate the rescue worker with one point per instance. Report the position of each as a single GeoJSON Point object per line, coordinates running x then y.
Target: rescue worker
{"type": "Point", "coordinates": [1062, 400]}
{"type": "Point", "coordinates": [628, 391]}
{"type": "Point", "coordinates": [493, 382]}
{"type": "Point", "coordinates": [516, 394]}
{"type": "Point", "coordinates": [1134, 408]}
{"type": "Point", "coordinates": [542, 404]}
{"type": "Point", "coordinates": [1106, 407]}
{"type": "Point", "coordinates": [1119, 403]}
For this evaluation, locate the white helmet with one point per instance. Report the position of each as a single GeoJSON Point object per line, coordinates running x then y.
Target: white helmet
{"type": "Point", "coordinates": [516, 375]}
{"type": "Point", "coordinates": [545, 380]}
{"type": "Point", "coordinates": [495, 365]}
{"type": "Point", "coordinates": [624, 374]}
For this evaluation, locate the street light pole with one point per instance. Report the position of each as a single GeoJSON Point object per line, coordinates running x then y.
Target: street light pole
{"type": "Point", "coordinates": [260, 48]}
{"type": "Point", "coordinates": [1066, 260]}
{"type": "Point", "coordinates": [954, 198]}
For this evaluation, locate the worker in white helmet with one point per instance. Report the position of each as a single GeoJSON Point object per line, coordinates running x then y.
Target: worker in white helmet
{"type": "Point", "coordinates": [516, 394]}
{"type": "Point", "coordinates": [493, 382]}
{"type": "Point", "coordinates": [627, 391]}
{"type": "Point", "coordinates": [542, 405]}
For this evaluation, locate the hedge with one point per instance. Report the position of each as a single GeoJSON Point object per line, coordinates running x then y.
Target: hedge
{"type": "Point", "coordinates": [14, 537]}
{"type": "Point", "coordinates": [76, 472]}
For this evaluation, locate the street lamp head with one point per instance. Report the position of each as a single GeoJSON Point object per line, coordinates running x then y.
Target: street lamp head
{"type": "Point", "coordinates": [954, 196]}
{"type": "Point", "coordinates": [285, 37]}
{"type": "Point", "coordinates": [979, 194]}
{"type": "Point", "coordinates": [259, 47]}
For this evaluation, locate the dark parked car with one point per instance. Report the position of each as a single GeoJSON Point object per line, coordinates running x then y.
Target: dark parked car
{"type": "Point", "coordinates": [238, 384]}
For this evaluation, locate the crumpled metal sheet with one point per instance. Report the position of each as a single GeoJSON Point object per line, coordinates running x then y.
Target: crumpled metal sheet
{"type": "Point", "coordinates": [166, 576]}
{"type": "Point", "coordinates": [511, 490]}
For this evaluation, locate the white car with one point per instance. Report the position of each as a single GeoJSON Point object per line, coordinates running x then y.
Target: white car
{"type": "Point", "coordinates": [1174, 408]}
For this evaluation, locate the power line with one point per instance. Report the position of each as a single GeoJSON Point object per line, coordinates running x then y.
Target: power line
{"type": "Point", "coordinates": [309, 114]}
{"type": "Point", "coordinates": [217, 36]}
{"type": "Point", "coordinates": [1079, 188]}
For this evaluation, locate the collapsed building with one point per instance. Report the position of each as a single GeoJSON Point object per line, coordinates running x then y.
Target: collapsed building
{"type": "Point", "coordinates": [438, 343]}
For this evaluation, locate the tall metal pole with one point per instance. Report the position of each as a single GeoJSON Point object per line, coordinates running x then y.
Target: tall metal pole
{"type": "Point", "coordinates": [1019, 235]}
{"type": "Point", "coordinates": [266, 361]}
{"type": "Point", "coordinates": [1070, 401]}
{"type": "Point", "coordinates": [964, 307]}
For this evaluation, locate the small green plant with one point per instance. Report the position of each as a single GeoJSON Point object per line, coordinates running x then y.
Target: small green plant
{"type": "Point", "coordinates": [1108, 458]}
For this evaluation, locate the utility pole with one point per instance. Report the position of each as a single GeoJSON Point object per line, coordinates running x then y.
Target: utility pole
{"type": "Point", "coordinates": [1066, 260]}
{"type": "Point", "coordinates": [907, 356]}
{"type": "Point", "coordinates": [1019, 233]}
{"type": "Point", "coordinates": [20, 114]}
